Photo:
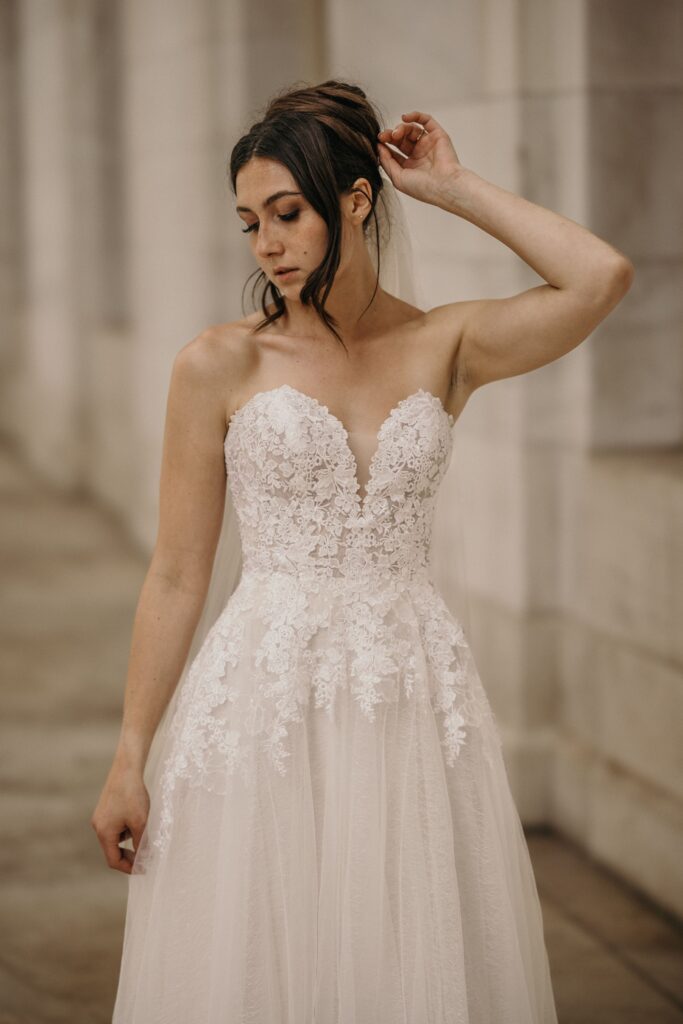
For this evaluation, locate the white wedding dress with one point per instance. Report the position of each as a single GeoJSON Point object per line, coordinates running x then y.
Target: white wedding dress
{"type": "Point", "coordinates": [332, 838]}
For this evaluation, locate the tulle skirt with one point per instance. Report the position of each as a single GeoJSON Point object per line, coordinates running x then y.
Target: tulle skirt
{"type": "Point", "coordinates": [371, 882]}
{"type": "Point", "coordinates": [368, 884]}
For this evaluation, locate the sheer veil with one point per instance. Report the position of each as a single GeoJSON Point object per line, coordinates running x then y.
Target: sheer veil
{"type": "Point", "coordinates": [397, 276]}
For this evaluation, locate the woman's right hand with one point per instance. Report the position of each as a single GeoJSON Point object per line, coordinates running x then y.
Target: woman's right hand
{"type": "Point", "coordinates": [121, 813]}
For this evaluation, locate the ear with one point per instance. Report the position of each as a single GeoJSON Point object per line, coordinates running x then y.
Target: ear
{"type": "Point", "coordinates": [359, 199]}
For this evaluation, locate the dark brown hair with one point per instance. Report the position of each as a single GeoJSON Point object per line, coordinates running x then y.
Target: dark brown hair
{"type": "Point", "coordinates": [326, 135]}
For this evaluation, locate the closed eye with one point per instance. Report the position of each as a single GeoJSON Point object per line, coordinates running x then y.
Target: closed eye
{"type": "Point", "coordinates": [283, 216]}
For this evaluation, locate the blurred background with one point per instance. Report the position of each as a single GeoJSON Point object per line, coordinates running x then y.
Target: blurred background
{"type": "Point", "coordinates": [120, 243]}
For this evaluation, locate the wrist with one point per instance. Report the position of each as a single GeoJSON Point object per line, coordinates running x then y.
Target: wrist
{"type": "Point", "coordinates": [131, 754]}
{"type": "Point", "coordinates": [455, 191]}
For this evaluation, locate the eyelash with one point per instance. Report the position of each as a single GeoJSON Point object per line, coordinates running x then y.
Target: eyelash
{"type": "Point", "coordinates": [283, 216]}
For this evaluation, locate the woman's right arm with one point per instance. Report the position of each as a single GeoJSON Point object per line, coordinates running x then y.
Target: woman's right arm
{"type": "Point", "coordinates": [191, 500]}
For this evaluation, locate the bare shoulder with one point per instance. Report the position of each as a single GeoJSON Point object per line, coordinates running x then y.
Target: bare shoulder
{"type": "Point", "coordinates": [217, 347]}
{"type": "Point", "coordinates": [219, 360]}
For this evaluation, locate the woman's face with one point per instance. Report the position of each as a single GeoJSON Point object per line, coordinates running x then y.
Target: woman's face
{"type": "Point", "coordinates": [283, 228]}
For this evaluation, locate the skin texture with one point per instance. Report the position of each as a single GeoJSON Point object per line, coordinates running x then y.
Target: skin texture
{"type": "Point", "coordinates": [392, 349]}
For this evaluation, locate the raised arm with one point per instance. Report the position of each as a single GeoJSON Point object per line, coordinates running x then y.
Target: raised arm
{"type": "Point", "coordinates": [585, 278]}
{"type": "Point", "coordinates": [191, 501]}
{"type": "Point", "coordinates": [494, 338]}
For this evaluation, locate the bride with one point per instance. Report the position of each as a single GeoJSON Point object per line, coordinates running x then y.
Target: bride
{"type": "Point", "coordinates": [330, 834]}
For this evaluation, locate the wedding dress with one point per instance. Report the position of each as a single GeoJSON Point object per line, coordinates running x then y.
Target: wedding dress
{"type": "Point", "coordinates": [332, 838]}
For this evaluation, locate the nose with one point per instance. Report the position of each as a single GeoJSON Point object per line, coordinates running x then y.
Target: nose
{"type": "Point", "coordinates": [266, 242]}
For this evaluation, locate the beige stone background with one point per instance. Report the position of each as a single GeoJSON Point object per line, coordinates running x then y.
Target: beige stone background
{"type": "Point", "coordinates": [119, 244]}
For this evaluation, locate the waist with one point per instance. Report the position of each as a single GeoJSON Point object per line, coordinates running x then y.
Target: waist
{"type": "Point", "coordinates": [350, 575]}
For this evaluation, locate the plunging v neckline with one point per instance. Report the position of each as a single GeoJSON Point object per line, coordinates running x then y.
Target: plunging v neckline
{"type": "Point", "coordinates": [360, 499]}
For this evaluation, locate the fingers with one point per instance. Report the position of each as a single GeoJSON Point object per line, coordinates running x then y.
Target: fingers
{"type": "Point", "coordinates": [389, 159]}
{"type": "Point", "coordinates": [404, 137]}
{"type": "Point", "coordinates": [117, 857]}
{"type": "Point", "coordinates": [398, 135]}
{"type": "Point", "coordinates": [406, 134]}
{"type": "Point", "coordinates": [399, 138]}
{"type": "Point", "coordinates": [120, 820]}
{"type": "Point", "coordinates": [426, 120]}
{"type": "Point", "coordinates": [128, 855]}
{"type": "Point", "coordinates": [120, 860]}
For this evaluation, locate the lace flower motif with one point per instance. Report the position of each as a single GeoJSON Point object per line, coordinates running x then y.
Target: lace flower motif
{"type": "Point", "coordinates": [336, 593]}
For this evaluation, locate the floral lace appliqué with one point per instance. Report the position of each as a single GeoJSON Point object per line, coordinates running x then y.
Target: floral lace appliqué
{"type": "Point", "coordinates": [335, 594]}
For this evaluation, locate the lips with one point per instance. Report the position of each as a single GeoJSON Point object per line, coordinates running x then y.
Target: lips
{"type": "Point", "coordinates": [285, 270]}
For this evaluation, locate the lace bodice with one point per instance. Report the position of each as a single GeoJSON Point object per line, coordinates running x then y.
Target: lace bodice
{"type": "Point", "coordinates": [335, 594]}
{"type": "Point", "coordinates": [294, 480]}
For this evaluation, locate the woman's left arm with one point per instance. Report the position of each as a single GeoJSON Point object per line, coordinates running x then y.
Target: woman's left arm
{"type": "Point", "coordinates": [494, 338]}
{"type": "Point", "coordinates": [586, 277]}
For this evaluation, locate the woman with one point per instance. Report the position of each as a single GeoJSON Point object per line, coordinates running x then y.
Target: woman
{"type": "Point", "coordinates": [332, 836]}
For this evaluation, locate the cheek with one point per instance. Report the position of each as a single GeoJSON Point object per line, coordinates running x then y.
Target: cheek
{"type": "Point", "coordinates": [314, 243]}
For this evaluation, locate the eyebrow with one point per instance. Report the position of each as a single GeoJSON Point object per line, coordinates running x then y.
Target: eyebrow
{"type": "Point", "coordinates": [269, 200]}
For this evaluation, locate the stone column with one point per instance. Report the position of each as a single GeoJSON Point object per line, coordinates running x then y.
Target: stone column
{"type": "Point", "coordinates": [51, 412]}
{"type": "Point", "coordinates": [619, 770]}
{"type": "Point", "coordinates": [11, 324]}
{"type": "Point", "coordinates": [168, 136]}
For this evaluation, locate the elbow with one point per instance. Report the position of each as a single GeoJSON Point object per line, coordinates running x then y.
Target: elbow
{"type": "Point", "coordinates": [625, 273]}
{"type": "Point", "coordinates": [619, 278]}
{"type": "Point", "coordinates": [609, 285]}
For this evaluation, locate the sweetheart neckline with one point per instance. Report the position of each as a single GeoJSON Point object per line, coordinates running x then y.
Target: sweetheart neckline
{"type": "Point", "coordinates": [321, 405]}
{"type": "Point", "coordinates": [361, 499]}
